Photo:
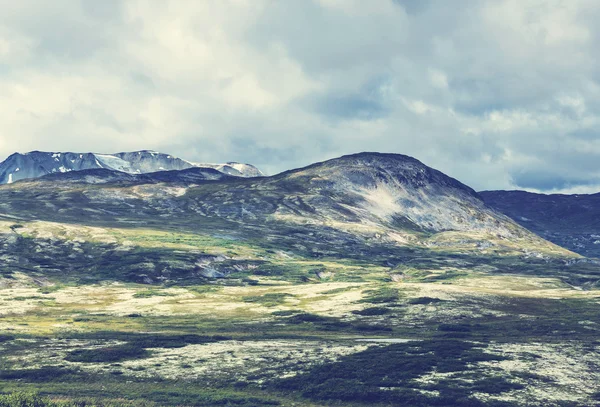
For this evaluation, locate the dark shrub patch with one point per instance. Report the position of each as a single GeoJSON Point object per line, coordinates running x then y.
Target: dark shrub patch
{"type": "Point", "coordinates": [250, 281]}
{"type": "Point", "coordinates": [424, 301]}
{"type": "Point", "coordinates": [372, 311]}
{"type": "Point", "coordinates": [386, 375]}
{"type": "Point", "coordinates": [495, 385]}
{"type": "Point", "coordinates": [306, 317]}
{"type": "Point", "coordinates": [38, 375]}
{"type": "Point", "coordinates": [109, 354]}
{"type": "Point", "coordinates": [372, 328]}
{"type": "Point", "coordinates": [454, 328]}
{"type": "Point", "coordinates": [30, 297]}
{"type": "Point", "coordinates": [140, 340]}
{"type": "Point", "coordinates": [268, 300]}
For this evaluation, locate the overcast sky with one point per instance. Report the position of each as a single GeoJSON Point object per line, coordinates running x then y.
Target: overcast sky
{"type": "Point", "coordinates": [499, 94]}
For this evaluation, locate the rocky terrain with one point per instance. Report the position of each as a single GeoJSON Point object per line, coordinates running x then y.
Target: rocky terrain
{"type": "Point", "coordinates": [37, 164]}
{"type": "Point", "coordinates": [366, 280]}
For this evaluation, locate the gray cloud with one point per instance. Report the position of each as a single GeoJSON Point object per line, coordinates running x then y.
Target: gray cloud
{"type": "Point", "coordinates": [500, 94]}
{"type": "Point", "coordinates": [354, 106]}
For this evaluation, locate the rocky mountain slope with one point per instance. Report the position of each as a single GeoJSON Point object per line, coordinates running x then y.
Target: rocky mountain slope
{"type": "Point", "coordinates": [389, 190]}
{"type": "Point", "coordinates": [37, 163]}
{"type": "Point", "coordinates": [349, 204]}
{"type": "Point", "coordinates": [189, 176]}
{"type": "Point", "coordinates": [571, 221]}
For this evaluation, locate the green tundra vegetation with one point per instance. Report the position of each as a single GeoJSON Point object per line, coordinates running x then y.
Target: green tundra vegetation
{"type": "Point", "coordinates": [439, 336]}
{"type": "Point", "coordinates": [443, 363]}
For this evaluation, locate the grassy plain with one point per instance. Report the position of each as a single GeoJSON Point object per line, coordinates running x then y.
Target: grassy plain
{"type": "Point", "coordinates": [162, 317]}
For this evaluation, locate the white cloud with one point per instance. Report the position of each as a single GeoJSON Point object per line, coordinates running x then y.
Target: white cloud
{"type": "Point", "coordinates": [438, 79]}
{"type": "Point", "coordinates": [499, 94]}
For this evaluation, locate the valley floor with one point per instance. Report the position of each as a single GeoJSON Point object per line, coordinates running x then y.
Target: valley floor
{"type": "Point", "coordinates": [476, 340]}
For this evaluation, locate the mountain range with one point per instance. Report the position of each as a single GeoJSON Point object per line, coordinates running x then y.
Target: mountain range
{"type": "Point", "coordinates": [388, 207]}
{"type": "Point", "coordinates": [370, 189]}
{"type": "Point", "coordinates": [400, 190]}
{"type": "Point", "coordinates": [37, 164]}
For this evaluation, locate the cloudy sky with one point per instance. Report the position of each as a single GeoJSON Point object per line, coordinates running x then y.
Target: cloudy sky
{"type": "Point", "coordinates": [498, 93]}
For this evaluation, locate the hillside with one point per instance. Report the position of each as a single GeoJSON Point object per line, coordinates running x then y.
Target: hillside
{"type": "Point", "coordinates": [570, 221]}
{"type": "Point", "coordinates": [388, 210]}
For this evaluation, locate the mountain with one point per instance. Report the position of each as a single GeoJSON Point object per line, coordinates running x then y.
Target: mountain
{"type": "Point", "coordinates": [388, 209]}
{"type": "Point", "coordinates": [360, 199]}
{"type": "Point", "coordinates": [366, 280]}
{"type": "Point", "coordinates": [36, 164]}
{"type": "Point", "coordinates": [369, 188]}
{"type": "Point", "coordinates": [394, 189]}
{"type": "Point", "coordinates": [571, 221]}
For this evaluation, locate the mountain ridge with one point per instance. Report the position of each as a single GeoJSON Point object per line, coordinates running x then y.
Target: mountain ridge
{"type": "Point", "coordinates": [393, 196]}
{"type": "Point", "coordinates": [38, 163]}
{"type": "Point", "coordinates": [186, 176]}
{"type": "Point", "coordinates": [571, 221]}
{"type": "Point", "coordinates": [389, 184]}
{"type": "Point", "coordinates": [389, 191]}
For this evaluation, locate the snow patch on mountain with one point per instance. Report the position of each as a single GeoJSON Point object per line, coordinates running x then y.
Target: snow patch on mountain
{"type": "Point", "coordinates": [115, 163]}
{"type": "Point", "coordinates": [233, 168]}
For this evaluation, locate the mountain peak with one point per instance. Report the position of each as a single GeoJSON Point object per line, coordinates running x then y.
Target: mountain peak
{"type": "Point", "coordinates": [367, 169]}
{"type": "Point", "coordinates": [396, 187]}
{"type": "Point", "coordinates": [379, 155]}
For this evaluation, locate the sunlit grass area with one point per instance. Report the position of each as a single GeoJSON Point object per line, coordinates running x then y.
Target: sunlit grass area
{"type": "Point", "coordinates": [279, 339]}
{"type": "Point", "coordinates": [131, 315]}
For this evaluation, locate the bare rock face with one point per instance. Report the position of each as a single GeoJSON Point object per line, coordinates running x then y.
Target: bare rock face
{"type": "Point", "coordinates": [235, 169]}
{"type": "Point", "coordinates": [37, 164]}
